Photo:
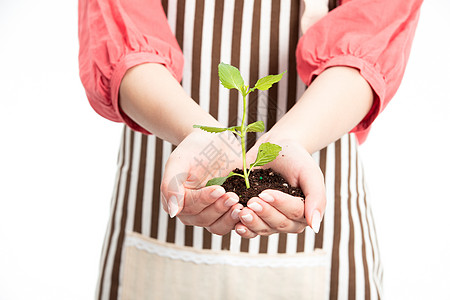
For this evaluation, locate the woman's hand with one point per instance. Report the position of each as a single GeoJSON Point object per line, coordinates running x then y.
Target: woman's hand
{"type": "Point", "coordinates": [198, 158]}
{"type": "Point", "coordinates": [274, 211]}
{"type": "Point", "coordinates": [334, 103]}
{"type": "Point", "coordinates": [152, 98]}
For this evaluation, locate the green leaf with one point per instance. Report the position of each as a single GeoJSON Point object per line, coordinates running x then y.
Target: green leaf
{"type": "Point", "coordinates": [267, 152]}
{"type": "Point", "coordinates": [217, 129]}
{"type": "Point", "coordinates": [265, 83]}
{"type": "Point", "coordinates": [257, 126]}
{"type": "Point", "coordinates": [230, 77]}
{"type": "Point", "coordinates": [221, 180]}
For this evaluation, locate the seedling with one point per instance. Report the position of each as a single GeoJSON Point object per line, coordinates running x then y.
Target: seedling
{"type": "Point", "coordinates": [231, 78]}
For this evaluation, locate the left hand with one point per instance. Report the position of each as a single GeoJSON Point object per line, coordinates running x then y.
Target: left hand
{"type": "Point", "coordinates": [274, 211]}
{"type": "Point", "coordinates": [196, 159]}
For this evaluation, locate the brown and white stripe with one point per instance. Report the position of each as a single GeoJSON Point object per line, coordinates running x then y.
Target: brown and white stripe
{"type": "Point", "coordinates": [259, 37]}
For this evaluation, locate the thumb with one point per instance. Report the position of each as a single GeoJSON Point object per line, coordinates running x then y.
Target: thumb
{"type": "Point", "coordinates": [172, 186]}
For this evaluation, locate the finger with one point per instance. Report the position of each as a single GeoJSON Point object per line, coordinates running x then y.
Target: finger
{"type": "Point", "coordinates": [212, 212]}
{"type": "Point", "coordinates": [244, 232]}
{"type": "Point", "coordinates": [312, 183]}
{"type": "Point", "coordinates": [226, 222]}
{"type": "Point", "coordinates": [315, 200]}
{"type": "Point", "coordinates": [253, 222]}
{"type": "Point", "coordinates": [274, 218]}
{"type": "Point", "coordinates": [172, 189]}
{"type": "Point", "coordinates": [196, 200]}
{"type": "Point", "coordinates": [176, 173]}
{"type": "Point", "coordinates": [290, 206]}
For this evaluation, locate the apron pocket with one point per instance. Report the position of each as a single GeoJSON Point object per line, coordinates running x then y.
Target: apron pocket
{"type": "Point", "coordinates": [156, 270]}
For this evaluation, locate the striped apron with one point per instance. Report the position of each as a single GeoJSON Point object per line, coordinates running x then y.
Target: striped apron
{"type": "Point", "coordinates": [147, 255]}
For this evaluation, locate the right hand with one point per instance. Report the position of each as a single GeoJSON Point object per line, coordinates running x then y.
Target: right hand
{"type": "Point", "coordinates": [198, 158]}
{"type": "Point", "coordinates": [273, 211]}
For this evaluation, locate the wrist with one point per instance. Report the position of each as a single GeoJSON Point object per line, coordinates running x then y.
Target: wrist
{"type": "Point", "coordinates": [336, 101]}
{"type": "Point", "coordinates": [155, 100]}
{"type": "Point", "coordinates": [283, 137]}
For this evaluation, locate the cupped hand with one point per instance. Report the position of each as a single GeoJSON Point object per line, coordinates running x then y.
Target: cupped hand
{"type": "Point", "coordinates": [198, 158]}
{"type": "Point", "coordinates": [273, 211]}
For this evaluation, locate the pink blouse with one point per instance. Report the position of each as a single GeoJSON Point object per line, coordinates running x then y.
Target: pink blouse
{"type": "Point", "coordinates": [374, 36]}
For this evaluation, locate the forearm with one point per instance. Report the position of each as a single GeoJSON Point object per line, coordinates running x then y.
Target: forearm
{"type": "Point", "coordinates": [156, 101]}
{"type": "Point", "coordinates": [336, 101]}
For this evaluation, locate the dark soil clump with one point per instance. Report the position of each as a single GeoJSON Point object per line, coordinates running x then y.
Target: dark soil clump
{"type": "Point", "coordinates": [260, 180]}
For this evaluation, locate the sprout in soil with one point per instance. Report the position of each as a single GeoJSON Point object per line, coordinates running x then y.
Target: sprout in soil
{"type": "Point", "coordinates": [231, 78]}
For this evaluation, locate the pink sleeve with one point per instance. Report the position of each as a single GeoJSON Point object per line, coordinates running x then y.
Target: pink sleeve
{"type": "Point", "coordinates": [374, 36]}
{"type": "Point", "coordinates": [115, 35]}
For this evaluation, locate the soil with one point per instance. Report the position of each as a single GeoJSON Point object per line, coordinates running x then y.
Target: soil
{"type": "Point", "coordinates": [260, 180]}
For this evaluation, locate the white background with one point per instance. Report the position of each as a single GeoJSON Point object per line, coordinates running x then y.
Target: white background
{"type": "Point", "coordinates": [57, 161]}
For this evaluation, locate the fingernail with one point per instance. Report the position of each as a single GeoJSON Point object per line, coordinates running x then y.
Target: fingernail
{"type": "Point", "coordinates": [219, 192]}
{"type": "Point", "coordinates": [266, 197]}
{"type": "Point", "coordinates": [172, 206]}
{"type": "Point", "coordinates": [241, 230]}
{"type": "Point", "coordinates": [316, 221]}
{"type": "Point", "coordinates": [247, 218]}
{"type": "Point", "coordinates": [231, 201]}
{"type": "Point", "coordinates": [235, 213]}
{"type": "Point", "coordinates": [255, 206]}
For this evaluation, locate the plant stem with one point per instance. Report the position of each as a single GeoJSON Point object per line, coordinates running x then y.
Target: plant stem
{"type": "Point", "coordinates": [244, 168]}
